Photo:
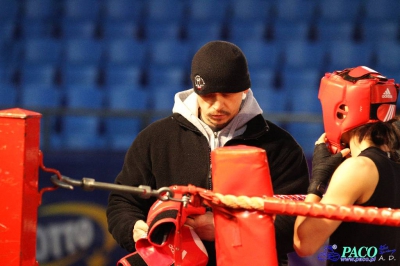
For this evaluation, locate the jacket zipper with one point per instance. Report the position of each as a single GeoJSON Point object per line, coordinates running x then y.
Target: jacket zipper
{"type": "Point", "coordinates": [209, 149]}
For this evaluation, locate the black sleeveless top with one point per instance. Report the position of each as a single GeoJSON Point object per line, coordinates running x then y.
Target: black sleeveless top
{"type": "Point", "coordinates": [366, 242]}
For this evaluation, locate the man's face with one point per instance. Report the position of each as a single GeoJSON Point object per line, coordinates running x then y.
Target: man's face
{"type": "Point", "coordinates": [218, 109]}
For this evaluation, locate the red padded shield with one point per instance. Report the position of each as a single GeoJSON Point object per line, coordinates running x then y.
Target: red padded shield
{"type": "Point", "coordinates": [243, 237]}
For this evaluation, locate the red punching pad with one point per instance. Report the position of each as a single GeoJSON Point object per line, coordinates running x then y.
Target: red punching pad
{"type": "Point", "coordinates": [243, 237]}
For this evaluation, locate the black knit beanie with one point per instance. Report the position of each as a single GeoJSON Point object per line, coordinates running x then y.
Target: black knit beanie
{"type": "Point", "coordinates": [219, 66]}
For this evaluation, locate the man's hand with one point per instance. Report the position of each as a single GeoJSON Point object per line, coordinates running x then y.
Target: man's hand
{"type": "Point", "coordinates": [324, 165]}
{"type": "Point", "coordinates": [139, 230]}
{"type": "Point", "coordinates": [203, 225]}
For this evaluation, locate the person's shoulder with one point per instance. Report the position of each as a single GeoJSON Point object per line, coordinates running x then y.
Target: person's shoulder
{"type": "Point", "coordinates": [156, 127]}
{"type": "Point", "coordinates": [170, 124]}
{"type": "Point", "coordinates": [160, 123]}
{"type": "Point", "coordinates": [359, 166]}
{"type": "Point", "coordinates": [277, 139]}
{"type": "Point", "coordinates": [272, 126]}
{"type": "Point", "coordinates": [354, 181]}
{"type": "Point", "coordinates": [360, 161]}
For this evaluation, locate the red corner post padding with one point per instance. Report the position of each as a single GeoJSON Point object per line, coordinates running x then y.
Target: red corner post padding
{"type": "Point", "coordinates": [243, 237]}
{"type": "Point", "coordinates": [19, 195]}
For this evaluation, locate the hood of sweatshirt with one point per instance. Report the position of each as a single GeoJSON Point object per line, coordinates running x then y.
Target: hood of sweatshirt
{"type": "Point", "coordinates": [185, 103]}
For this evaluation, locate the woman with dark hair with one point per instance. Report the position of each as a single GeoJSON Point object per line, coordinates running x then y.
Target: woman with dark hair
{"type": "Point", "coordinates": [369, 176]}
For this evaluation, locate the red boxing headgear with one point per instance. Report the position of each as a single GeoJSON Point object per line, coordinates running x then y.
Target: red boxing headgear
{"type": "Point", "coordinates": [354, 97]}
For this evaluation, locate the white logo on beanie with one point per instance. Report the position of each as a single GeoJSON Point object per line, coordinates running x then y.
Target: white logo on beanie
{"type": "Point", "coordinates": [199, 82]}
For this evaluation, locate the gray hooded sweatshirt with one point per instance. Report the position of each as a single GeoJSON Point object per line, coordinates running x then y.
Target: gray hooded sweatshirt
{"type": "Point", "coordinates": [186, 104]}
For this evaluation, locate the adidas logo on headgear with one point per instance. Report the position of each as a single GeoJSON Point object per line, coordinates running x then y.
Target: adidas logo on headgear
{"type": "Point", "coordinates": [387, 94]}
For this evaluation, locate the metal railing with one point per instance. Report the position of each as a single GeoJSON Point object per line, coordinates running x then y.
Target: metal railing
{"type": "Point", "coordinates": [146, 117]}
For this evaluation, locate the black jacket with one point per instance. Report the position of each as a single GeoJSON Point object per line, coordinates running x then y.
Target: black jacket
{"type": "Point", "coordinates": [172, 151]}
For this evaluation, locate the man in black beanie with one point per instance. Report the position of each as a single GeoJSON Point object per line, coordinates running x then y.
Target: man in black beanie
{"type": "Point", "coordinates": [219, 110]}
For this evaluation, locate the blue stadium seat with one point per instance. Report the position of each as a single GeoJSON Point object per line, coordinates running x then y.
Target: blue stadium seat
{"type": "Point", "coordinates": [381, 10]}
{"type": "Point", "coordinates": [260, 54]}
{"type": "Point", "coordinates": [306, 134]}
{"type": "Point", "coordinates": [40, 96]}
{"type": "Point", "coordinates": [205, 31]}
{"type": "Point", "coordinates": [251, 10]}
{"type": "Point", "coordinates": [83, 51]}
{"type": "Point", "coordinates": [206, 11]}
{"type": "Point", "coordinates": [36, 29]}
{"type": "Point", "coordinates": [164, 10]}
{"type": "Point", "coordinates": [270, 99]}
{"type": "Point", "coordinates": [7, 29]}
{"type": "Point", "coordinates": [303, 54]}
{"type": "Point", "coordinates": [163, 99]}
{"type": "Point", "coordinates": [345, 54]}
{"type": "Point", "coordinates": [46, 10]}
{"type": "Point", "coordinates": [377, 31]}
{"type": "Point", "coordinates": [123, 10]}
{"type": "Point", "coordinates": [81, 9]}
{"type": "Point", "coordinates": [123, 75]}
{"type": "Point", "coordinates": [284, 31]}
{"type": "Point", "coordinates": [84, 96]}
{"type": "Point", "coordinates": [6, 74]}
{"type": "Point", "coordinates": [304, 99]}
{"type": "Point", "coordinates": [292, 79]}
{"type": "Point", "coordinates": [123, 97]}
{"type": "Point", "coordinates": [77, 129]}
{"type": "Point", "coordinates": [170, 53]}
{"type": "Point", "coordinates": [120, 131]}
{"type": "Point", "coordinates": [44, 74]}
{"type": "Point", "coordinates": [166, 77]}
{"type": "Point", "coordinates": [247, 30]}
{"type": "Point", "coordinates": [387, 56]}
{"type": "Point", "coordinates": [11, 54]}
{"type": "Point", "coordinates": [8, 10]}
{"type": "Point", "coordinates": [295, 10]}
{"type": "Point", "coordinates": [80, 126]}
{"type": "Point", "coordinates": [49, 132]}
{"type": "Point", "coordinates": [38, 18]}
{"type": "Point", "coordinates": [339, 10]}
{"type": "Point", "coordinates": [159, 30]}
{"type": "Point", "coordinates": [42, 51]}
{"type": "Point", "coordinates": [8, 97]}
{"type": "Point", "coordinates": [79, 75]}
{"type": "Point", "coordinates": [116, 29]}
{"type": "Point", "coordinates": [78, 29]}
{"type": "Point", "coordinates": [81, 133]}
{"type": "Point", "coordinates": [125, 51]}
{"type": "Point", "coordinates": [328, 31]}
{"type": "Point", "coordinates": [262, 78]}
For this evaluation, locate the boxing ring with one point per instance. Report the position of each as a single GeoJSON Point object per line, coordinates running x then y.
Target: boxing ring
{"type": "Point", "coordinates": [238, 208]}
